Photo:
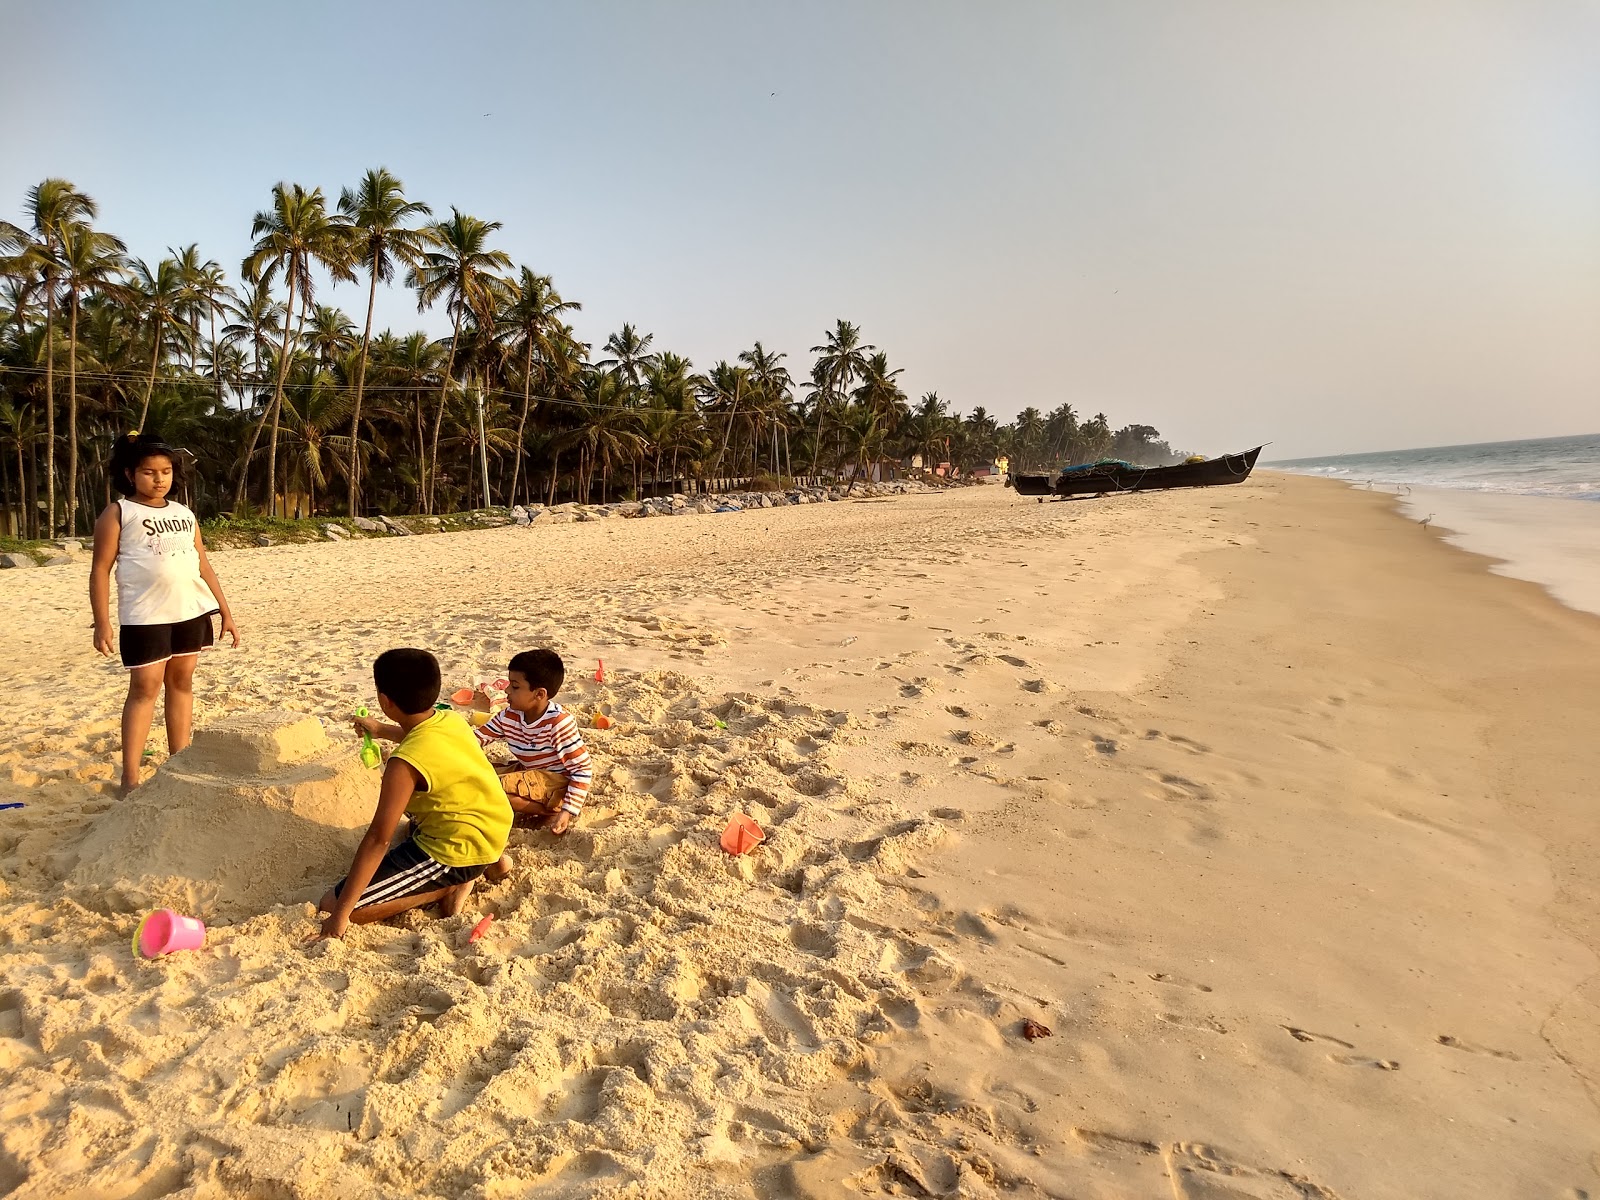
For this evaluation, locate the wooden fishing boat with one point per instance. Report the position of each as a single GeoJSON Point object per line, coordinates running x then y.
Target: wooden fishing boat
{"type": "Point", "coordinates": [1095, 479]}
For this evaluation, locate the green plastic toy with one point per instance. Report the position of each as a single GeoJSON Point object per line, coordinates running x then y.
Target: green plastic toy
{"type": "Point", "coordinates": [371, 756]}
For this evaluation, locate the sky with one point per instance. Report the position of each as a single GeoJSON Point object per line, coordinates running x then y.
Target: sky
{"type": "Point", "coordinates": [1334, 227]}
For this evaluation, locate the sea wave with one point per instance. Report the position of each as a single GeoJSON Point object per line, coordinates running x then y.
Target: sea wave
{"type": "Point", "coordinates": [1574, 490]}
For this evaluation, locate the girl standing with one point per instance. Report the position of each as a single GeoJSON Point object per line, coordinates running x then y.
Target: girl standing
{"type": "Point", "coordinates": [167, 594]}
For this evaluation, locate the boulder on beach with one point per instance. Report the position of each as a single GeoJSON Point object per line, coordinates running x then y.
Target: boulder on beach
{"type": "Point", "coordinates": [261, 809]}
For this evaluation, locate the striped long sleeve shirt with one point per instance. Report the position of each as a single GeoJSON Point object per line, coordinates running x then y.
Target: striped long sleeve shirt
{"type": "Point", "coordinates": [548, 743]}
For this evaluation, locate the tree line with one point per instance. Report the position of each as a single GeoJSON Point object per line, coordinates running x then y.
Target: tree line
{"type": "Point", "coordinates": [282, 404]}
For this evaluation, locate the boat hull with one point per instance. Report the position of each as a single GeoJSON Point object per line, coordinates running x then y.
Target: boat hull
{"type": "Point", "coordinates": [1230, 468]}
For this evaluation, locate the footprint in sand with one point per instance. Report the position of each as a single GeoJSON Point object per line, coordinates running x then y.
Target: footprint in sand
{"type": "Point", "coordinates": [1344, 1060]}
{"type": "Point", "coordinates": [1178, 981]}
{"type": "Point", "coordinates": [1178, 740]}
{"type": "Point", "coordinates": [1455, 1043]}
{"type": "Point", "coordinates": [1104, 745]}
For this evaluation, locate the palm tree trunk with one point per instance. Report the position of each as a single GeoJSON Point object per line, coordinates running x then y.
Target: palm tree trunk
{"type": "Point", "coordinates": [277, 410]}
{"type": "Point", "coordinates": [50, 404]}
{"type": "Point", "coordinates": [216, 370]}
{"type": "Point", "coordinates": [522, 422]}
{"type": "Point", "coordinates": [72, 419]}
{"type": "Point", "coordinates": [438, 416]}
{"type": "Point", "coordinates": [555, 474]}
{"type": "Point", "coordinates": [726, 434]}
{"type": "Point", "coordinates": [361, 380]}
{"type": "Point", "coordinates": [155, 361]}
{"type": "Point", "coordinates": [271, 410]}
{"type": "Point", "coordinates": [422, 453]}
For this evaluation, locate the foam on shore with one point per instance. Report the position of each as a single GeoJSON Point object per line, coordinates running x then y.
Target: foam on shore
{"type": "Point", "coordinates": [1554, 543]}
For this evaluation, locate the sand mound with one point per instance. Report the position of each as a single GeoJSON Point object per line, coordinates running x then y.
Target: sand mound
{"type": "Point", "coordinates": [262, 809]}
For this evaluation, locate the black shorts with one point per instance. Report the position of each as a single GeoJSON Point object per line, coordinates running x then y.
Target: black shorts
{"type": "Point", "coordinates": [146, 645]}
{"type": "Point", "coordinates": [407, 871]}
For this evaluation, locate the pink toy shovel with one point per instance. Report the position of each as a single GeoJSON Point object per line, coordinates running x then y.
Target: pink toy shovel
{"type": "Point", "coordinates": [742, 835]}
{"type": "Point", "coordinates": [164, 931]}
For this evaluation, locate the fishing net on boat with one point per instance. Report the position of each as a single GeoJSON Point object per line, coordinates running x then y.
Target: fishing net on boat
{"type": "Point", "coordinates": [1104, 464]}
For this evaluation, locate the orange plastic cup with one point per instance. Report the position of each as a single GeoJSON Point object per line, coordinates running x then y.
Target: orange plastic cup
{"type": "Point", "coordinates": [601, 721]}
{"type": "Point", "coordinates": [742, 835]}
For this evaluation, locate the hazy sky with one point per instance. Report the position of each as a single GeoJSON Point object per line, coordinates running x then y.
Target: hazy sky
{"type": "Point", "coordinates": [1337, 226]}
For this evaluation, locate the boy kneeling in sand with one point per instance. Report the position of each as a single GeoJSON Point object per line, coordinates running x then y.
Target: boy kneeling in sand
{"type": "Point", "coordinates": [550, 780]}
{"type": "Point", "coordinates": [437, 776]}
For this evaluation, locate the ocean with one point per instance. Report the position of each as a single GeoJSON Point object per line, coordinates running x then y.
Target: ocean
{"type": "Point", "coordinates": [1566, 468]}
{"type": "Point", "coordinates": [1533, 506]}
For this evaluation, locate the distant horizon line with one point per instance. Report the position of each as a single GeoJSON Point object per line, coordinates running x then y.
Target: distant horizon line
{"type": "Point", "coordinates": [1559, 437]}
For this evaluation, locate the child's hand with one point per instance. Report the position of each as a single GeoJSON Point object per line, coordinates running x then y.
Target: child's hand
{"type": "Point", "coordinates": [559, 822]}
{"type": "Point", "coordinates": [367, 725]}
{"type": "Point", "coordinates": [481, 700]}
{"type": "Point", "coordinates": [229, 629]}
{"type": "Point", "coordinates": [333, 926]}
{"type": "Point", "coordinates": [103, 641]}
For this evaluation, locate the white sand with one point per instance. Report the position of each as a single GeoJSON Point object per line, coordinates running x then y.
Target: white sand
{"type": "Point", "coordinates": [1206, 782]}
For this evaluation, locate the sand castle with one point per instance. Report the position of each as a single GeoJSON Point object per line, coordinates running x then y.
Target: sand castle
{"type": "Point", "coordinates": [262, 809]}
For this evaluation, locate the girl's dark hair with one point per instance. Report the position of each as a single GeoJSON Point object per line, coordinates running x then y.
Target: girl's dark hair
{"type": "Point", "coordinates": [131, 450]}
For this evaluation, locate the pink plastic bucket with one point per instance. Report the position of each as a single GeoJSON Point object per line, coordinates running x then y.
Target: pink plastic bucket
{"type": "Point", "coordinates": [742, 835]}
{"type": "Point", "coordinates": [164, 931]}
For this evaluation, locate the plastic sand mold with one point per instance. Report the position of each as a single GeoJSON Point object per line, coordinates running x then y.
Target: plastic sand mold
{"type": "Point", "coordinates": [163, 931]}
{"type": "Point", "coordinates": [742, 835]}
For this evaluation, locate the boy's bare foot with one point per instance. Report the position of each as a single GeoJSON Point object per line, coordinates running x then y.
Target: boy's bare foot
{"type": "Point", "coordinates": [495, 872]}
{"type": "Point", "coordinates": [456, 898]}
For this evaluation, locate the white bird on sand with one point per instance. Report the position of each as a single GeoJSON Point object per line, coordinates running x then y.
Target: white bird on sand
{"type": "Point", "coordinates": [1425, 520]}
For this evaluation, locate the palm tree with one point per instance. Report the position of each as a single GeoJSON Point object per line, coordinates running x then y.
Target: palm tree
{"type": "Point", "coordinates": [379, 216]}
{"type": "Point", "coordinates": [312, 408]}
{"type": "Point", "coordinates": [630, 354]}
{"type": "Point", "coordinates": [460, 268]}
{"type": "Point", "coordinates": [606, 433]}
{"type": "Point", "coordinates": [290, 236]}
{"type": "Point", "coordinates": [725, 387]}
{"type": "Point", "coordinates": [1029, 431]}
{"type": "Point", "coordinates": [209, 287]}
{"type": "Point", "coordinates": [89, 259]}
{"type": "Point", "coordinates": [161, 294]}
{"type": "Point", "coordinates": [257, 312]}
{"type": "Point", "coordinates": [531, 320]}
{"type": "Point", "coordinates": [772, 383]}
{"type": "Point", "coordinates": [332, 335]}
{"type": "Point", "coordinates": [843, 357]}
{"type": "Point", "coordinates": [52, 206]}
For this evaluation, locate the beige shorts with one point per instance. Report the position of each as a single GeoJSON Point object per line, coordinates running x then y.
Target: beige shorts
{"type": "Point", "coordinates": [544, 788]}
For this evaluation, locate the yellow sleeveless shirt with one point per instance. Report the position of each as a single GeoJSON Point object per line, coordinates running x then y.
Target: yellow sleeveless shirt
{"type": "Point", "coordinates": [462, 816]}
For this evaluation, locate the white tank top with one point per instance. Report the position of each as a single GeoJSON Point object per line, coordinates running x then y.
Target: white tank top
{"type": "Point", "coordinates": [158, 567]}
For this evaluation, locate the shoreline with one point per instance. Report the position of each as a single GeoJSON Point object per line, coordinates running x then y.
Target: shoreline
{"type": "Point", "coordinates": [1548, 540]}
{"type": "Point", "coordinates": [1265, 801]}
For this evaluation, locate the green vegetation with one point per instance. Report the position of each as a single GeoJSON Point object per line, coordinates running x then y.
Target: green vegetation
{"type": "Point", "coordinates": [287, 406]}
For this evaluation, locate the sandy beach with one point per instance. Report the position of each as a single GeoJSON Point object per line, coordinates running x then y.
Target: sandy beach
{"type": "Point", "coordinates": [1269, 803]}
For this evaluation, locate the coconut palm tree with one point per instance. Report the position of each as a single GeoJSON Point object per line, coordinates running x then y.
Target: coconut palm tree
{"type": "Point", "coordinates": [531, 320]}
{"type": "Point", "coordinates": [257, 313]}
{"type": "Point", "coordinates": [332, 335]}
{"type": "Point", "coordinates": [772, 385]}
{"type": "Point", "coordinates": [89, 259]}
{"type": "Point", "coordinates": [1028, 431]}
{"type": "Point", "coordinates": [52, 206]}
{"type": "Point", "coordinates": [380, 219]}
{"type": "Point", "coordinates": [724, 389]}
{"type": "Point", "coordinates": [160, 295]}
{"type": "Point", "coordinates": [842, 358]}
{"type": "Point", "coordinates": [460, 269]}
{"type": "Point", "coordinates": [630, 354]}
{"type": "Point", "coordinates": [291, 236]}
